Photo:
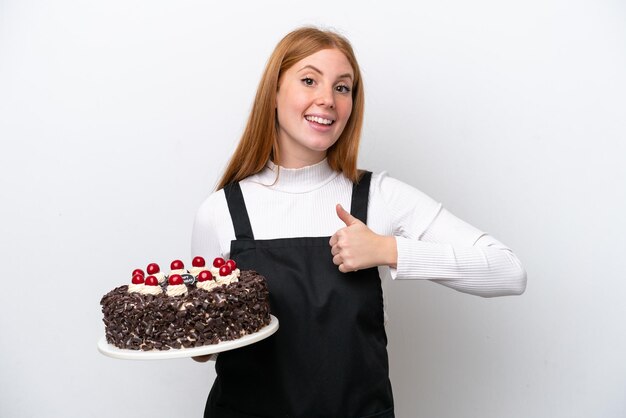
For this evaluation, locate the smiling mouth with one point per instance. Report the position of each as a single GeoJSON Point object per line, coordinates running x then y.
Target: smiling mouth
{"type": "Point", "coordinates": [319, 120]}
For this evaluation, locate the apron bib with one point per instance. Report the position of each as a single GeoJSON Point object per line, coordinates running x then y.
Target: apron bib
{"type": "Point", "coordinates": [328, 357]}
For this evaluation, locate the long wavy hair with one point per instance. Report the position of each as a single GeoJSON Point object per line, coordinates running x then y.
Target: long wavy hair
{"type": "Point", "coordinates": [259, 142]}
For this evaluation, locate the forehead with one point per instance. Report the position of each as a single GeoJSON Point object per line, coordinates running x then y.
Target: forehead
{"type": "Point", "coordinates": [331, 61]}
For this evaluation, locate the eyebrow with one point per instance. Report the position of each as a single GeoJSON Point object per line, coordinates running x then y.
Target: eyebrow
{"type": "Point", "coordinates": [317, 70]}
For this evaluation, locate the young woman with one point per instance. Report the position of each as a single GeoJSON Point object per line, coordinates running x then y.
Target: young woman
{"type": "Point", "coordinates": [293, 206]}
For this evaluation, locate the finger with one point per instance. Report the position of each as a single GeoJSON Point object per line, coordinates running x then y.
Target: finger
{"type": "Point", "coordinates": [202, 359]}
{"type": "Point", "coordinates": [345, 216]}
{"type": "Point", "coordinates": [333, 240]}
{"type": "Point", "coordinates": [337, 260]}
{"type": "Point", "coordinates": [344, 269]}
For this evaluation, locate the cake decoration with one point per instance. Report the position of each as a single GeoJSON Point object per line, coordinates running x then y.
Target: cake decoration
{"type": "Point", "coordinates": [176, 286]}
{"type": "Point", "coordinates": [177, 267]}
{"type": "Point", "coordinates": [218, 262]}
{"type": "Point", "coordinates": [221, 303]}
{"type": "Point", "coordinates": [206, 281]}
{"type": "Point", "coordinates": [198, 264]}
{"type": "Point", "coordinates": [231, 264]}
{"type": "Point", "coordinates": [153, 269]}
{"type": "Point", "coordinates": [204, 276]}
{"type": "Point", "coordinates": [137, 283]}
{"type": "Point", "coordinates": [151, 286]}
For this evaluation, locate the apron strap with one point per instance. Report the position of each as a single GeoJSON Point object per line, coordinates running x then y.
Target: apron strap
{"type": "Point", "coordinates": [360, 197]}
{"type": "Point", "coordinates": [238, 211]}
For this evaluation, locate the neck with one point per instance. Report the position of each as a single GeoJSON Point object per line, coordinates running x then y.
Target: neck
{"type": "Point", "coordinates": [295, 180]}
{"type": "Point", "coordinates": [294, 155]}
{"type": "Point", "coordinates": [300, 161]}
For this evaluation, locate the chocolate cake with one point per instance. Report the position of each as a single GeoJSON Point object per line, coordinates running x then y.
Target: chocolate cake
{"type": "Point", "coordinates": [191, 317]}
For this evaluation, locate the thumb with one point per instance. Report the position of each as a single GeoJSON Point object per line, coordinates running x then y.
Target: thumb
{"type": "Point", "coordinates": [345, 216]}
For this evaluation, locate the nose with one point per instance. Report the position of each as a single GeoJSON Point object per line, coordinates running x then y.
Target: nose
{"type": "Point", "coordinates": [326, 98]}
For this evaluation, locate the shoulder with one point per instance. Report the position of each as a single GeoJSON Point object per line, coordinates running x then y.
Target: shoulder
{"type": "Point", "coordinates": [404, 209]}
{"type": "Point", "coordinates": [212, 205]}
{"type": "Point", "coordinates": [215, 198]}
{"type": "Point", "coordinates": [385, 187]}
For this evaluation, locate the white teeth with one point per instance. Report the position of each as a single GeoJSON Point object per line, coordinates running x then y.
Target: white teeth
{"type": "Point", "coordinates": [319, 120]}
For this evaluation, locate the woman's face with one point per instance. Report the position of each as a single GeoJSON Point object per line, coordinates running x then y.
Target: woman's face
{"type": "Point", "coordinates": [313, 104]}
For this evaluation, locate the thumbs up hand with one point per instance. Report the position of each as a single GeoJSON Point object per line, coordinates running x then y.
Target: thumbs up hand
{"type": "Point", "coordinates": [356, 247]}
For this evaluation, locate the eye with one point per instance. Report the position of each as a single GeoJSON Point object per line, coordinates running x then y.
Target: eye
{"type": "Point", "coordinates": [342, 89]}
{"type": "Point", "coordinates": [307, 81]}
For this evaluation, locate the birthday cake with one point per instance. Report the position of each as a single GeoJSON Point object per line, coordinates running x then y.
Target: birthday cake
{"type": "Point", "coordinates": [185, 308]}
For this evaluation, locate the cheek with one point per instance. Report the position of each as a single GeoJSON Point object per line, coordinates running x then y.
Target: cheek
{"type": "Point", "coordinates": [346, 111]}
{"type": "Point", "coordinates": [292, 107]}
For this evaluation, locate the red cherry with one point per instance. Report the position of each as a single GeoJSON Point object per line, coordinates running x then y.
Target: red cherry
{"type": "Point", "coordinates": [153, 268]}
{"type": "Point", "coordinates": [231, 264]}
{"type": "Point", "coordinates": [152, 281]}
{"type": "Point", "coordinates": [138, 279]}
{"type": "Point", "coordinates": [175, 279]}
{"type": "Point", "coordinates": [177, 265]}
{"type": "Point", "coordinates": [219, 262]}
{"type": "Point", "coordinates": [204, 276]}
{"type": "Point", "coordinates": [198, 262]}
{"type": "Point", "coordinates": [225, 270]}
{"type": "Point", "coordinates": [138, 271]}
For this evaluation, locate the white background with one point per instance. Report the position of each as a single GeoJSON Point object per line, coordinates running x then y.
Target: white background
{"type": "Point", "coordinates": [117, 117]}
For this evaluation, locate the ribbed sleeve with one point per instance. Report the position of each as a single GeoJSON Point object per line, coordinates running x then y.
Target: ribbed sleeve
{"type": "Point", "coordinates": [478, 270]}
{"type": "Point", "coordinates": [457, 255]}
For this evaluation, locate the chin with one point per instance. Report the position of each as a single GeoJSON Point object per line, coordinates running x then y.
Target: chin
{"type": "Point", "coordinates": [321, 146]}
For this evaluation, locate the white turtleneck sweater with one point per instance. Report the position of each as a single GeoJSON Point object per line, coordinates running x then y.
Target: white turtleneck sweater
{"type": "Point", "coordinates": [432, 243]}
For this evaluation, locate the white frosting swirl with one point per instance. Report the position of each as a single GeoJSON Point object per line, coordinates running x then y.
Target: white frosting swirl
{"type": "Point", "coordinates": [231, 278]}
{"type": "Point", "coordinates": [151, 290]}
{"type": "Point", "coordinates": [179, 272]}
{"type": "Point", "coordinates": [135, 288]}
{"type": "Point", "coordinates": [160, 276]}
{"type": "Point", "coordinates": [176, 290]}
{"type": "Point", "coordinates": [194, 271]}
{"type": "Point", "coordinates": [208, 285]}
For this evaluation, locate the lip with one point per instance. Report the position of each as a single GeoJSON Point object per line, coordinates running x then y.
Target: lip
{"type": "Point", "coordinates": [322, 116]}
{"type": "Point", "coordinates": [318, 126]}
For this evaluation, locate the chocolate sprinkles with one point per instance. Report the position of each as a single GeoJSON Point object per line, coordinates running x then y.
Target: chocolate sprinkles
{"type": "Point", "coordinates": [135, 321]}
